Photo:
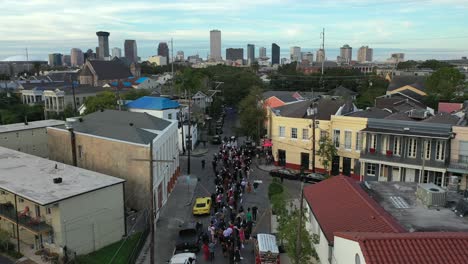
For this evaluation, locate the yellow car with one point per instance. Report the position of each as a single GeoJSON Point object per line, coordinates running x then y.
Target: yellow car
{"type": "Point", "coordinates": [202, 206]}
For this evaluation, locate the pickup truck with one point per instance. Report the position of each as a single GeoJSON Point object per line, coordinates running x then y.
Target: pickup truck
{"type": "Point", "coordinates": [190, 237]}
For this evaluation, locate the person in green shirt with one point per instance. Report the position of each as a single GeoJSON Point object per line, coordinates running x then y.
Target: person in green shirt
{"type": "Point", "coordinates": [248, 216]}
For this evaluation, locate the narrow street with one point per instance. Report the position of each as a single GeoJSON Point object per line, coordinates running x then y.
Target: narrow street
{"type": "Point", "coordinates": [200, 183]}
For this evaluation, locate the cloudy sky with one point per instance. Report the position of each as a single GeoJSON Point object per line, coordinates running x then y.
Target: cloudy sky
{"type": "Point", "coordinates": [419, 27]}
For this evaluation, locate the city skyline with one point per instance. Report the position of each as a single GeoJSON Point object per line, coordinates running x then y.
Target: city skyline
{"type": "Point", "coordinates": [431, 24]}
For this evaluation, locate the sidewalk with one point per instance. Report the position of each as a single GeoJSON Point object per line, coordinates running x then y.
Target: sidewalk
{"type": "Point", "coordinates": [266, 168]}
{"type": "Point", "coordinates": [197, 152]}
{"type": "Point", "coordinates": [172, 214]}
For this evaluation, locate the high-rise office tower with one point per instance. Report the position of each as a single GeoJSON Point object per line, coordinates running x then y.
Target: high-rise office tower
{"type": "Point", "coordinates": [307, 56]}
{"type": "Point", "coordinates": [250, 53]}
{"type": "Point", "coordinates": [295, 53]}
{"type": "Point", "coordinates": [215, 45]}
{"type": "Point", "coordinates": [234, 54]}
{"type": "Point", "coordinates": [55, 59]}
{"type": "Point", "coordinates": [346, 54]}
{"type": "Point", "coordinates": [116, 52]}
{"type": "Point", "coordinates": [364, 54]}
{"type": "Point", "coordinates": [275, 54]}
{"type": "Point", "coordinates": [76, 57]}
{"type": "Point", "coordinates": [130, 48]}
{"type": "Point", "coordinates": [262, 52]}
{"type": "Point", "coordinates": [163, 50]}
{"type": "Point", "coordinates": [103, 38]}
{"type": "Point", "coordinates": [180, 56]}
{"type": "Point", "coordinates": [320, 55]}
{"type": "Point", "coordinates": [66, 60]}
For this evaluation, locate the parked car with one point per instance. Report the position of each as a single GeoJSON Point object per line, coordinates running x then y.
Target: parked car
{"type": "Point", "coordinates": [286, 174]}
{"type": "Point", "coordinates": [219, 130]}
{"type": "Point", "coordinates": [202, 206]}
{"type": "Point", "coordinates": [183, 258]}
{"type": "Point", "coordinates": [190, 236]}
{"type": "Point", "coordinates": [313, 177]}
{"type": "Point", "coordinates": [216, 140]}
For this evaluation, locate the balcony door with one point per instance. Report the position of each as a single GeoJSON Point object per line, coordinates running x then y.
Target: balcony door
{"type": "Point", "coordinates": [281, 157]}
{"type": "Point", "coordinates": [410, 175]}
{"type": "Point", "coordinates": [396, 174]}
{"type": "Point", "coordinates": [305, 161]}
{"type": "Point", "coordinates": [347, 166]}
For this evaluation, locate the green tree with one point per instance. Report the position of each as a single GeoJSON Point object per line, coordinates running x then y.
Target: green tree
{"type": "Point", "coordinates": [445, 83]}
{"type": "Point", "coordinates": [252, 115]}
{"type": "Point", "coordinates": [288, 228]}
{"type": "Point", "coordinates": [434, 64]}
{"type": "Point", "coordinates": [135, 94]}
{"type": "Point", "coordinates": [104, 100]}
{"type": "Point", "coordinates": [404, 65]}
{"type": "Point", "coordinates": [327, 151]}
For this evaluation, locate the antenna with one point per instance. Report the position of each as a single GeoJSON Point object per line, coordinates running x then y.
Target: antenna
{"type": "Point", "coordinates": [27, 59]}
{"type": "Point", "coordinates": [322, 35]}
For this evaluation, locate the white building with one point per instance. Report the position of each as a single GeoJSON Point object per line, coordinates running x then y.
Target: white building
{"type": "Point", "coordinates": [180, 56]}
{"type": "Point", "coordinates": [52, 205]}
{"type": "Point", "coordinates": [295, 53]}
{"type": "Point", "coordinates": [116, 52]}
{"type": "Point", "coordinates": [215, 45]}
{"type": "Point", "coordinates": [158, 60]}
{"type": "Point", "coordinates": [28, 137]}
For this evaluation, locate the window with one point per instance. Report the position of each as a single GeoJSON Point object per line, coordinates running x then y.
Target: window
{"type": "Point", "coordinates": [373, 141]}
{"type": "Point", "coordinates": [51, 237]}
{"type": "Point", "coordinates": [371, 169]}
{"type": "Point", "coordinates": [49, 210]}
{"type": "Point", "coordinates": [305, 134]}
{"type": "Point", "coordinates": [358, 141]}
{"type": "Point", "coordinates": [293, 132]}
{"type": "Point", "coordinates": [385, 144]}
{"type": "Point", "coordinates": [397, 146]}
{"type": "Point", "coordinates": [282, 131]}
{"type": "Point", "coordinates": [169, 116]}
{"type": "Point", "coordinates": [336, 138]}
{"type": "Point", "coordinates": [426, 149]}
{"type": "Point", "coordinates": [37, 210]}
{"type": "Point", "coordinates": [412, 148]}
{"type": "Point", "coordinates": [17, 134]}
{"type": "Point", "coordinates": [347, 139]}
{"type": "Point", "coordinates": [20, 200]}
{"type": "Point", "coordinates": [440, 150]}
{"type": "Point", "coordinates": [463, 152]}
{"type": "Point", "coordinates": [323, 135]}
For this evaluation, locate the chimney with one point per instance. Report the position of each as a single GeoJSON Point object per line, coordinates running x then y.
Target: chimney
{"type": "Point", "coordinates": [57, 180]}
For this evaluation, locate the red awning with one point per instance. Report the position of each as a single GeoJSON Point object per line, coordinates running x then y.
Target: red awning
{"type": "Point", "coordinates": [267, 143]}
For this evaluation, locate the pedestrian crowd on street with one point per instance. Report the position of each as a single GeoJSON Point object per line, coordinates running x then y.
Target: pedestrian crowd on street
{"type": "Point", "coordinates": [231, 224]}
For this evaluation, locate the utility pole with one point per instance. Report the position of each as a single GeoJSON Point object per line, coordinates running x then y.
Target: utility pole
{"type": "Point", "coordinates": [299, 229]}
{"type": "Point", "coordinates": [189, 135]}
{"type": "Point", "coordinates": [172, 67]}
{"type": "Point", "coordinates": [314, 118]}
{"type": "Point", "coordinates": [152, 205]}
{"type": "Point", "coordinates": [323, 59]}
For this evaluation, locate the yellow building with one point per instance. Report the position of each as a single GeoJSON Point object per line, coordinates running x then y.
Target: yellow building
{"type": "Point", "coordinates": [291, 134]}
{"type": "Point", "coordinates": [46, 204]}
{"type": "Point", "coordinates": [459, 155]}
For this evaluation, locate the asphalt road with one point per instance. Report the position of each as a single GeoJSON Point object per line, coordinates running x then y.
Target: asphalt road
{"type": "Point", "coordinates": [178, 210]}
{"type": "Point", "coordinates": [5, 260]}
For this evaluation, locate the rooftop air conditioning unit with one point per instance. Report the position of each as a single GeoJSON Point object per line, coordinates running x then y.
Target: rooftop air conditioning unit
{"type": "Point", "coordinates": [431, 195]}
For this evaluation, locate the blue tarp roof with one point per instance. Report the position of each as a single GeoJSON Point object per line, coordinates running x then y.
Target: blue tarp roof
{"type": "Point", "coordinates": [141, 79]}
{"type": "Point", "coordinates": [153, 103]}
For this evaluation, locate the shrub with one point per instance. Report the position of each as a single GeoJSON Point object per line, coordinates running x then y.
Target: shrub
{"type": "Point", "coordinates": [278, 204]}
{"type": "Point", "coordinates": [274, 188]}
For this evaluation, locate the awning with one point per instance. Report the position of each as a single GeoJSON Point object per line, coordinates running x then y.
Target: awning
{"type": "Point", "coordinates": [267, 143]}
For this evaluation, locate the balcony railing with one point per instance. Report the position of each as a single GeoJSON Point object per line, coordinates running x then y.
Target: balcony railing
{"type": "Point", "coordinates": [35, 225]}
{"type": "Point", "coordinates": [389, 156]}
{"type": "Point", "coordinates": [459, 165]}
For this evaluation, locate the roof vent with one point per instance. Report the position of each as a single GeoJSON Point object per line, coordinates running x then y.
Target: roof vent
{"type": "Point", "coordinates": [57, 180]}
{"type": "Point", "coordinates": [131, 124]}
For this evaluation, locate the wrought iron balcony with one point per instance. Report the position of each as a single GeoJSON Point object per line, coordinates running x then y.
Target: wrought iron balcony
{"type": "Point", "coordinates": [35, 225]}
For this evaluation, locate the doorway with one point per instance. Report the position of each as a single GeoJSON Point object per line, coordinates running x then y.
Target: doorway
{"type": "Point", "coordinates": [347, 166]}
{"type": "Point", "coordinates": [281, 157]}
{"type": "Point", "coordinates": [396, 174]}
{"type": "Point", "coordinates": [305, 161]}
{"type": "Point", "coordinates": [335, 169]}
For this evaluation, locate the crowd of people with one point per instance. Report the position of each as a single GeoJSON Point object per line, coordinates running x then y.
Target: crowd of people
{"type": "Point", "coordinates": [231, 224]}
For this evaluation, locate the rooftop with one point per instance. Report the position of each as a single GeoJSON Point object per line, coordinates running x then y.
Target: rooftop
{"type": "Point", "coordinates": [412, 248]}
{"type": "Point", "coordinates": [326, 108]}
{"type": "Point", "coordinates": [110, 70]}
{"type": "Point", "coordinates": [449, 107]}
{"type": "Point", "coordinates": [416, 217]}
{"type": "Point", "coordinates": [140, 128]}
{"type": "Point", "coordinates": [400, 81]}
{"type": "Point", "coordinates": [371, 112]}
{"type": "Point", "coordinates": [153, 103]}
{"type": "Point", "coordinates": [339, 204]}
{"type": "Point", "coordinates": [31, 178]}
{"type": "Point", "coordinates": [285, 96]}
{"type": "Point", "coordinates": [30, 125]}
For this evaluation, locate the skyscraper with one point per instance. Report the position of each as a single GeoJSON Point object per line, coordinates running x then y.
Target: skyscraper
{"type": "Point", "coordinates": [262, 52]}
{"type": "Point", "coordinates": [55, 59]}
{"type": "Point", "coordinates": [307, 56]}
{"type": "Point", "coordinates": [320, 56]}
{"type": "Point", "coordinates": [116, 52]}
{"type": "Point", "coordinates": [275, 54]}
{"type": "Point", "coordinates": [250, 53]}
{"type": "Point", "coordinates": [215, 45]}
{"type": "Point", "coordinates": [364, 54]}
{"type": "Point", "coordinates": [234, 54]}
{"type": "Point", "coordinates": [66, 60]}
{"type": "Point", "coordinates": [130, 47]}
{"type": "Point", "coordinates": [76, 57]}
{"type": "Point", "coordinates": [346, 54]}
{"type": "Point", "coordinates": [163, 50]}
{"type": "Point", "coordinates": [295, 53]}
{"type": "Point", "coordinates": [103, 38]}
{"type": "Point", "coordinates": [180, 56]}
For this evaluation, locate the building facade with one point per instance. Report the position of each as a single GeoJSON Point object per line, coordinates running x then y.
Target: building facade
{"type": "Point", "coordinates": [116, 52]}
{"type": "Point", "coordinates": [459, 155]}
{"type": "Point", "coordinates": [365, 54]}
{"type": "Point", "coordinates": [250, 53]}
{"type": "Point", "coordinates": [158, 60]}
{"type": "Point", "coordinates": [55, 59]}
{"type": "Point", "coordinates": [56, 206]}
{"type": "Point", "coordinates": [180, 56]}
{"type": "Point", "coordinates": [275, 54]}
{"type": "Point", "coordinates": [163, 50]}
{"type": "Point", "coordinates": [131, 52]}
{"type": "Point", "coordinates": [103, 41]}
{"type": "Point", "coordinates": [346, 54]}
{"type": "Point", "coordinates": [405, 151]}
{"type": "Point", "coordinates": [77, 57]}
{"type": "Point", "coordinates": [234, 54]}
{"type": "Point", "coordinates": [215, 45]}
{"type": "Point", "coordinates": [295, 54]}
{"type": "Point", "coordinates": [28, 137]}
{"type": "Point", "coordinates": [320, 55]}
{"type": "Point", "coordinates": [262, 52]}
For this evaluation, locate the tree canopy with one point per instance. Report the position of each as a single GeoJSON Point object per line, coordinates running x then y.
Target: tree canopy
{"type": "Point", "coordinates": [13, 111]}
{"type": "Point", "coordinates": [104, 100]}
{"type": "Point", "coordinates": [327, 151]}
{"type": "Point", "coordinates": [445, 83]}
{"type": "Point", "coordinates": [252, 115]}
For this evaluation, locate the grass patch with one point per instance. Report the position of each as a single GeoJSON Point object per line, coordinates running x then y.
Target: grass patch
{"type": "Point", "coordinates": [105, 254]}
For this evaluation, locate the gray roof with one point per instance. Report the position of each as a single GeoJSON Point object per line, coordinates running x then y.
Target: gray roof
{"type": "Point", "coordinates": [326, 108]}
{"type": "Point", "coordinates": [371, 112]}
{"type": "Point", "coordinates": [397, 103]}
{"type": "Point", "coordinates": [400, 81]}
{"type": "Point", "coordinates": [342, 91]}
{"type": "Point", "coordinates": [32, 177]}
{"type": "Point", "coordinates": [409, 128]}
{"type": "Point", "coordinates": [140, 128]}
{"type": "Point", "coordinates": [443, 118]}
{"type": "Point", "coordinates": [66, 87]}
{"type": "Point", "coordinates": [30, 125]}
{"type": "Point", "coordinates": [285, 96]}
{"type": "Point", "coordinates": [110, 70]}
